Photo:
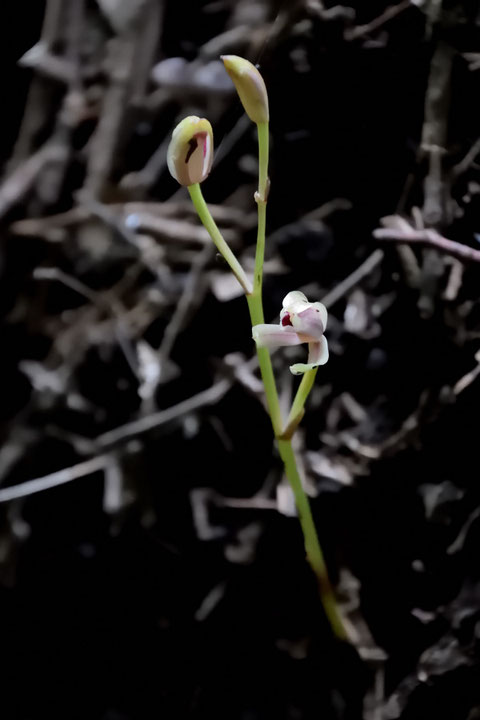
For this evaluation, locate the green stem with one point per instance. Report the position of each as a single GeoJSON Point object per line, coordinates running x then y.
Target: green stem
{"type": "Point", "coordinates": [255, 304]}
{"type": "Point", "coordinates": [312, 545]}
{"type": "Point", "coordinates": [298, 405]}
{"type": "Point", "coordinates": [263, 137]}
{"type": "Point", "coordinates": [210, 225]}
{"type": "Point", "coordinates": [255, 307]}
{"type": "Point", "coordinates": [261, 198]}
{"type": "Point", "coordinates": [260, 250]}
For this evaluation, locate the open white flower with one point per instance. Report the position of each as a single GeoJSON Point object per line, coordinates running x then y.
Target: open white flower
{"type": "Point", "coordinates": [300, 322]}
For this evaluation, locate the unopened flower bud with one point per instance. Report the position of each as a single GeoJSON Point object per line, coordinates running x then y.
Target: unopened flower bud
{"type": "Point", "coordinates": [250, 87]}
{"type": "Point", "coordinates": [190, 153]}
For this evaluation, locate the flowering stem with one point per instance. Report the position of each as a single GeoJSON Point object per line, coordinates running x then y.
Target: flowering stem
{"type": "Point", "coordinates": [217, 237]}
{"type": "Point", "coordinates": [261, 198]}
{"type": "Point", "coordinates": [312, 545]}
{"type": "Point", "coordinates": [263, 136]}
{"type": "Point", "coordinates": [260, 250]}
{"type": "Point", "coordinates": [255, 305]}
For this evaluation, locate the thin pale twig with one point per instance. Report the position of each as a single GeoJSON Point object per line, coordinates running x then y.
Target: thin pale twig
{"type": "Point", "coordinates": [391, 12]}
{"type": "Point", "coordinates": [111, 306]}
{"type": "Point", "coordinates": [432, 238]}
{"type": "Point", "coordinates": [19, 183]}
{"type": "Point", "coordinates": [344, 287]}
{"type": "Point", "coordinates": [61, 477]}
{"type": "Point", "coordinates": [207, 397]}
{"type": "Point", "coordinates": [469, 158]}
{"type": "Point", "coordinates": [466, 380]}
{"type": "Point", "coordinates": [192, 293]}
{"type": "Point", "coordinates": [132, 429]}
{"type": "Point", "coordinates": [37, 105]}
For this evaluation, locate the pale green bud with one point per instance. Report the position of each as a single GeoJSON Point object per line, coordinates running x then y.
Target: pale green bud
{"type": "Point", "coordinates": [190, 153]}
{"type": "Point", "coordinates": [250, 87]}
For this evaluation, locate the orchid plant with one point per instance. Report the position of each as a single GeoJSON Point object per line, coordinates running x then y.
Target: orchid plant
{"type": "Point", "coordinates": [190, 157]}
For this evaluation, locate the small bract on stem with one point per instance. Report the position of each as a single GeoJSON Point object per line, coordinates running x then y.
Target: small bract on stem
{"type": "Point", "coordinates": [190, 157]}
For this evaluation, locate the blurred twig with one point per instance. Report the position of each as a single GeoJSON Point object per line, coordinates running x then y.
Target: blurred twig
{"type": "Point", "coordinates": [61, 477]}
{"type": "Point", "coordinates": [432, 238]}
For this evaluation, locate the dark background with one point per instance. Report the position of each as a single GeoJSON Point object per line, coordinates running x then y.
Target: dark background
{"type": "Point", "coordinates": [132, 607]}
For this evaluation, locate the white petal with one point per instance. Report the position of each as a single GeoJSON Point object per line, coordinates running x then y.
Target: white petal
{"type": "Point", "coordinates": [308, 324]}
{"type": "Point", "coordinates": [317, 355]}
{"type": "Point", "coordinates": [323, 313]}
{"type": "Point", "coordinates": [295, 302]}
{"type": "Point", "coordinates": [275, 336]}
{"type": "Point", "coordinates": [318, 352]}
{"type": "Point", "coordinates": [207, 154]}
